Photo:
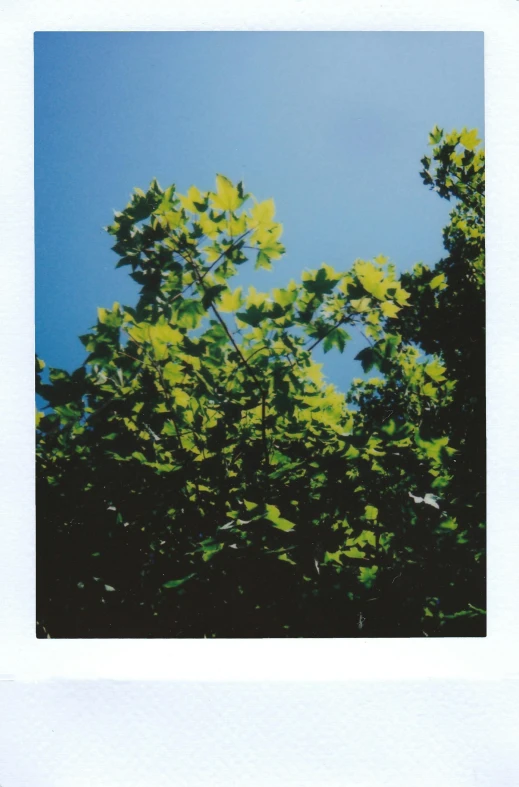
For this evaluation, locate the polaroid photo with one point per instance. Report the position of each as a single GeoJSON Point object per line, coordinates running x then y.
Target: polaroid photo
{"type": "Point", "coordinates": [261, 360]}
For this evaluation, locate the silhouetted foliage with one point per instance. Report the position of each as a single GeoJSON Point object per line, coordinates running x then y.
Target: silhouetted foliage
{"type": "Point", "coordinates": [198, 477]}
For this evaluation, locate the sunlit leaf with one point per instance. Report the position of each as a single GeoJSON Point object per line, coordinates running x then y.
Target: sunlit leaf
{"type": "Point", "coordinates": [226, 197]}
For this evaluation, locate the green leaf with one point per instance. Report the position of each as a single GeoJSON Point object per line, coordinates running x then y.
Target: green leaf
{"type": "Point", "coordinates": [175, 583]}
{"type": "Point", "coordinates": [189, 313]}
{"type": "Point", "coordinates": [367, 357]}
{"type": "Point", "coordinates": [435, 371]}
{"type": "Point", "coordinates": [333, 556]}
{"type": "Point", "coordinates": [449, 524]}
{"type": "Point", "coordinates": [262, 261]}
{"type": "Point", "coordinates": [249, 505]}
{"type": "Point", "coordinates": [367, 576]}
{"type": "Point", "coordinates": [367, 537]}
{"type": "Point", "coordinates": [352, 452]}
{"type": "Point", "coordinates": [211, 293]}
{"type": "Point", "coordinates": [429, 390]}
{"type": "Point", "coordinates": [320, 282]}
{"type": "Point", "coordinates": [370, 512]}
{"type": "Point", "coordinates": [435, 135]}
{"type": "Point", "coordinates": [354, 553]}
{"type": "Point", "coordinates": [273, 515]}
{"type": "Point", "coordinates": [337, 338]}
{"type": "Point", "coordinates": [253, 316]}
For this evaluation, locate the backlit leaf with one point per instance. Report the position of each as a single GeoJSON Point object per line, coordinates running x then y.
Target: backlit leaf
{"type": "Point", "coordinates": [389, 309]}
{"type": "Point", "coordinates": [469, 139]}
{"type": "Point", "coordinates": [230, 301]}
{"type": "Point", "coordinates": [226, 197]}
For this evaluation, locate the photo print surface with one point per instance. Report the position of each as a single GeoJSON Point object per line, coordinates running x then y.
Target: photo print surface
{"type": "Point", "coordinates": [271, 247]}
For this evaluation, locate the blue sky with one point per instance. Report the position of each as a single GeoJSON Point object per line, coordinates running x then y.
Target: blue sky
{"type": "Point", "coordinates": [332, 125]}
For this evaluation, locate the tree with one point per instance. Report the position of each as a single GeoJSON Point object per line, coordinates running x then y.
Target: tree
{"type": "Point", "coordinates": [198, 477]}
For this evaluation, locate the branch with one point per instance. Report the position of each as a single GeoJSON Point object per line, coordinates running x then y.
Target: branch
{"type": "Point", "coordinates": [318, 341]}
{"type": "Point", "coordinates": [209, 269]}
{"type": "Point", "coordinates": [264, 429]}
{"type": "Point", "coordinates": [243, 359]}
{"type": "Point", "coordinates": [263, 347]}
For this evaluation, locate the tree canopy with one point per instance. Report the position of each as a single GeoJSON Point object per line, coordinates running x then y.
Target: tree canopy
{"type": "Point", "coordinates": [198, 476]}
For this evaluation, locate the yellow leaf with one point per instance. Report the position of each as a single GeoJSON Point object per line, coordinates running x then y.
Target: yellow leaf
{"type": "Point", "coordinates": [173, 373]}
{"type": "Point", "coordinates": [191, 360]}
{"type": "Point", "coordinates": [263, 213]}
{"type": "Point", "coordinates": [230, 301]}
{"type": "Point", "coordinates": [361, 304]}
{"type": "Point", "coordinates": [212, 253]}
{"type": "Point", "coordinates": [255, 298]}
{"type": "Point", "coordinates": [181, 397]}
{"type": "Point", "coordinates": [164, 333]}
{"type": "Point", "coordinates": [389, 309]}
{"type": "Point", "coordinates": [193, 195]}
{"type": "Point", "coordinates": [372, 279]}
{"type": "Point", "coordinates": [401, 296]}
{"type": "Point", "coordinates": [273, 249]}
{"type": "Point", "coordinates": [469, 139]}
{"type": "Point", "coordinates": [208, 227]}
{"type": "Point", "coordinates": [172, 218]}
{"type": "Point", "coordinates": [438, 283]}
{"type": "Point", "coordinates": [237, 226]}
{"type": "Point", "coordinates": [435, 371]}
{"type": "Point", "coordinates": [345, 283]}
{"type": "Point", "coordinates": [265, 235]}
{"type": "Point", "coordinates": [226, 197]}
{"type": "Point", "coordinates": [380, 260]}
{"type": "Point", "coordinates": [373, 318]}
{"type": "Point", "coordinates": [314, 373]}
{"type": "Point", "coordinates": [284, 297]}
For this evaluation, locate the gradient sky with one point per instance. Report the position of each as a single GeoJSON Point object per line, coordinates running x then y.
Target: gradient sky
{"type": "Point", "coordinates": [332, 125]}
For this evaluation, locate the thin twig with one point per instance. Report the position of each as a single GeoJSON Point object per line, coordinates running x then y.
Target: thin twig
{"type": "Point", "coordinates": [318, 341]}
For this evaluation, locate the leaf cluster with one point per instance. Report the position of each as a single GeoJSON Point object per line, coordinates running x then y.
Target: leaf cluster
{"type": "Point", "coordinates": [199, 477]}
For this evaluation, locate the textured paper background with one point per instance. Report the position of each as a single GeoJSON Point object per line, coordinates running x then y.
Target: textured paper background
{"type": "Point", "coordinates": [384, 726]}
{"type": "Point", "coordinates": [428, 734]}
